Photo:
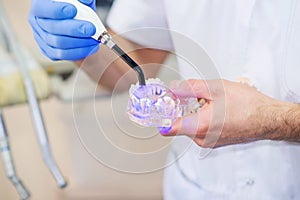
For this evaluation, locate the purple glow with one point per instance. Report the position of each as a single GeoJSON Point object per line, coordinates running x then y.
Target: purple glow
{"type": "Point", "coordinates": [164, 130]}
{"type": "Point", "coordinates": [153, 105]}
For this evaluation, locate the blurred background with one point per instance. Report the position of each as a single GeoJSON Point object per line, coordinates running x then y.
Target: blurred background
{"type": "Point", "coordinates": [99, 158]}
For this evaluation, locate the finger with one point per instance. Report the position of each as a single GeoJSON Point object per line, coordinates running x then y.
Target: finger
{"type": "Point", "coordinates": [207, 89]}
{"type": "Point", "coordinates": [65, 42]}
{"type": "Point", "coordinates": [69, 27]}
{"type": "Point", "coordinates": [53, 10]}
{"type": "Point", "coordinates": [62, 42]}
{"type": "Point", "coordinates": [87, 2]}
{"type": "Point", "coordinates": [90, 3]}
{"type": "Point", "coordinates": [189, 125]}
{"type": "Point", "coordinates": [190, 88]}
{"type": "Point", "coordinates": [61, 54]}
{"type": "Point", "coordinates": [199, 141]}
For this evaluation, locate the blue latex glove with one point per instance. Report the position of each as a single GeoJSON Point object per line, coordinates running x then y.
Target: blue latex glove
{"type": "Point", "coordinates": [59, 36]}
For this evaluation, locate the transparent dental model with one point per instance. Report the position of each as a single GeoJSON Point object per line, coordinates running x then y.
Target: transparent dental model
{"type": "Point", "coordinates": [155, 105]}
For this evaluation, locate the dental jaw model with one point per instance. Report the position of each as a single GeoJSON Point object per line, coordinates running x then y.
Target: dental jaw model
{"type": "Point", "coordinates": [155, 105]}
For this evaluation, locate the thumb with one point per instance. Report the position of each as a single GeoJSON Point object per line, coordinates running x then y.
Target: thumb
{"type": "Point", "coordinates": [190, 125]}
{"type": "Point", "coordinates": [90, 3]}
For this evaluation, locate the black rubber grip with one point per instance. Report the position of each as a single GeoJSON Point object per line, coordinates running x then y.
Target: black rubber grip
{"type": "Point", "coordinates": [131, 63]}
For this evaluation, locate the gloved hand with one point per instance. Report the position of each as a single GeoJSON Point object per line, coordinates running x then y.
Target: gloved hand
{"type": "Point", "coordinates": [58, 35]}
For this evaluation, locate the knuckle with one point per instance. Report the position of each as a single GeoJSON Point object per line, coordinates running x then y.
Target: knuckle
{"type": "Point", "coordinates": [48, 54]}
{"type": "Point", "coordinates": [53, 54]}
{"type": "Point", "coordinates": [31, 20]}
{"type": "Point", "coordinates": [60, 54]}
{"type": "Point", "coordinates": [199, 132]}
{"type": "Point", "coordinates": [202, 130]}
{"type": "Point", "coordinates": [51, 58]}
{"type": "Point", "coordinates": [192, 83]}
{"type": "Point", "coordinates": [199, 142]}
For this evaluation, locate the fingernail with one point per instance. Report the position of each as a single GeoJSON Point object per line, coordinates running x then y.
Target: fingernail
{"type": "Point", "coordinates": [69, 11]}
{"type": "Point", "coordinates": [164, 130]}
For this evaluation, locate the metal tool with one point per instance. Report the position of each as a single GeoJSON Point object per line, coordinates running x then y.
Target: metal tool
{"type": "Point", "coordinates": [88, 14]}
{"type": "Point", "coordinates": [8, 161]}
{"type": "Point", "coordinates": [22, 61]}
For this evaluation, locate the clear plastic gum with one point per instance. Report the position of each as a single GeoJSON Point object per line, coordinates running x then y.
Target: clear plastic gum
{"type": "Point", "coordinates": [155, 105]}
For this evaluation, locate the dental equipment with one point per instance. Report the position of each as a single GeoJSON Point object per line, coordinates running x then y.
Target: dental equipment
{"type": "Point", "coordinates": [149, 105]}
{"type": "Point", "coordinates": [88, 14]}
{"type": "Point", "coordinates": [41, 134]}
{"type": "Point", "coordinates": [157, 106]}
{"type": "Point", "coordinates": [8, 161]}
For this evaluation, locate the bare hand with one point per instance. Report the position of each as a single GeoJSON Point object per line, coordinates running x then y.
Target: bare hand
{"type": "Point", "coordinates": [234, 113]}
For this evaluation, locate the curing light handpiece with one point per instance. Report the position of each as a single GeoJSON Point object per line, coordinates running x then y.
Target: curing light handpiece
{"type": "Point", "coordinates": [88, 14]}
{"type": "Point", "coordinates": [106, 39]}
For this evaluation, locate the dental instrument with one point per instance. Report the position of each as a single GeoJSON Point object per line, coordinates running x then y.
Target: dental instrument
{"type": "Point", "coordinates": [88, 14]}
{"type": "Point", "coordinates": [8, 161]}
{"type": "Point", "coordinates": [40, 129]}
{"type": "Point", "coordinates": [157, 106]}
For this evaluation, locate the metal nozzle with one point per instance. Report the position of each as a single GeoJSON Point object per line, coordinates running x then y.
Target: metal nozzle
{"type": "Point", "coordinates": [8, 162]}
{"type": "Point", "coordinates": [106, 39]}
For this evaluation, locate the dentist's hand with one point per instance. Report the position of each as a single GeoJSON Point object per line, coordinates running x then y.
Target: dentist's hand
{"type": "Point", "coordinates": [235, 113]}
{"type": "Point", "coordinates": [58, 35]}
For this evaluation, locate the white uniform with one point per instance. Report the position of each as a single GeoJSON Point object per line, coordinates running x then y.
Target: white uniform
{"type": "Point", "coordinates": [257, 39]}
